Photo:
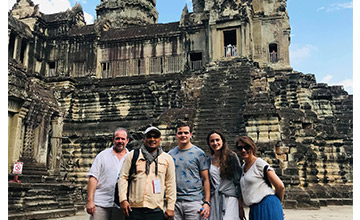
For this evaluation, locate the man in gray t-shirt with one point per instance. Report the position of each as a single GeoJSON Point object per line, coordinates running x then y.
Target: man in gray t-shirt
{"type": "Point", "coordinates": [192, 177]}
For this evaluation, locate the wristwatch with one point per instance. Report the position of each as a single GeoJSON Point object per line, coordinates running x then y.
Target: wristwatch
{"type": "Point", "coordinates": [207, 202]}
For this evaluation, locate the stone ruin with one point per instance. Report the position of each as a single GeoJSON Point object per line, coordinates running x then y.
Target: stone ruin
{"type": "Point", "coordinates": [223, 66]}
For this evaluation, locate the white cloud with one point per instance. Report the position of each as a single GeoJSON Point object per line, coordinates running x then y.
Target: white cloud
{"type": "Point", "coordinates": [299, 54]}
{"type": "Point", "coordinates": [11, 4]}
{"type": "Point", "coordinates": [336, 7]}
{"type": "Point", "coordinates": [47, 6]}
{"type": "Point", "coordinates": [320, 9]}
{"type": "Point", "coordinates": [88, 18]}
{"type": "Point", "coordinates": [327, 78]}
{"type": "Point", "coordinates": [346, 83]}
{"type": "Point", "coordinates": [52, 6]}
{"type": "Point", "coordinates": [189, 5]}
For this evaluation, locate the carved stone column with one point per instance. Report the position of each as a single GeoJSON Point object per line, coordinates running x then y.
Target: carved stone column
{"type": "Point", "coordinates": [28, 150]}
{"type": "Point", "coordinates": [54, 145]}
{"type": "Point", "coordinates": [16, 136]}
{"type": "Point", "coordinates": [32, 120]}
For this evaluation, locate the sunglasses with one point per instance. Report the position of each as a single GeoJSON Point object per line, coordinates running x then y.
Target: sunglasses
{"type": "Point", "coordinates": [246, 147]}
{"type": "Point", "coordinates": [152, 135]}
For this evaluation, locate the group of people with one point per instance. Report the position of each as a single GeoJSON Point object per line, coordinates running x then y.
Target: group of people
{"type": "Point", "coordinates": [183, 184]}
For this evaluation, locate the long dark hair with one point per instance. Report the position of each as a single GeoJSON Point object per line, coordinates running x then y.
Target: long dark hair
{"type": "Point", "coordinates": [226, 156]}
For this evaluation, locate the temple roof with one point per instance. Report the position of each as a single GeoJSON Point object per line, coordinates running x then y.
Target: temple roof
{"type": "Point", "coordinates": [61, 16]}
{"type": "Point", "coordinates": [20, 27]}
{"type": "Point", "coordinates": [150, 30]}
{"type": "Point", "coordinates": [82, 30]}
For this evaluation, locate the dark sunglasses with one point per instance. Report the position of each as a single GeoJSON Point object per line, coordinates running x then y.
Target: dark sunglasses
{"type": "Point", "coordinates": [246, 147]}
{"type": "Point", "coordinates": [152, 135]}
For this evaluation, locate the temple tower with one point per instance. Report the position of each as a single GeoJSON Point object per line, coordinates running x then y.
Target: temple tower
{"type": "Point", "coordinates": [125, 13]}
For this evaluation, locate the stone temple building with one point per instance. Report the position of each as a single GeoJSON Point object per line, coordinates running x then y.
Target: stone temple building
{"type": "Point", "coordinates": [223, 66]}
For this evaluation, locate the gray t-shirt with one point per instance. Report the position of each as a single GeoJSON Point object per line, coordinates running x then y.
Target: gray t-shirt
{"type": "Point", "coordinates": [106, 169]}
{"type": "Point", "coordinates": [188, 165]}
{"type": "Point", "coordinates": [253, 185]}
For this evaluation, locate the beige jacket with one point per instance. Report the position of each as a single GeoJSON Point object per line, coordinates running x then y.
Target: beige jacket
{"type": "Point", "coordinates": [141, 193]}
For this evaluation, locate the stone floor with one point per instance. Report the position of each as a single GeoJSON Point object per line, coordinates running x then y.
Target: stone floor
{"type": "Point", "coordinates": [324, 213]}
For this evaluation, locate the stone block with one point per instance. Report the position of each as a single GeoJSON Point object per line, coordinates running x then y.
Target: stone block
{"type": "Point", "coordinates": [291, 171]}
{"type": "Point", "coordinates": [282, 150]}
{"type": "Point", "coordinates": [290, 204]}
{"type": "Point", "coordinates": [348, 201]}
{"type": "Point", "coordinates": [282, 157]}
{"type": "Point", "coordinates": [335, 201]}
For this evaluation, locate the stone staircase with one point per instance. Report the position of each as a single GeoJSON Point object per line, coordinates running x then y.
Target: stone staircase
{"type": "Point", "coordinates": [40, 196]}
{"type": "Point", "coordinates": [221, 102]}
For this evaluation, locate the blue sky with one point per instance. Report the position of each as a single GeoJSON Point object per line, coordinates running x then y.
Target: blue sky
{"type": "Point", "coordinates": [321, 33]}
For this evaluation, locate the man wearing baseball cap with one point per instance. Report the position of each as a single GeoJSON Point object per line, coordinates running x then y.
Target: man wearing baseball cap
{"type": "Point", "coordinates": [154, 176]}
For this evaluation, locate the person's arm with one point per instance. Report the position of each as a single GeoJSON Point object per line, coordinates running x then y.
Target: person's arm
{"type": "Point", "coordinates": [241, 209]}
{"type": "Point", "coordinates": [237, 175]}
{"type": "Point", "coordinates": [123, 184]}
{"type": "Point", "coordinates": [90, 206]}
{"type": "Point", "coordinates": [206, 208]}
{"type": "Point", "coordinates": [170, 186]}
{"type": "Point", "coordinates": [277, 183]}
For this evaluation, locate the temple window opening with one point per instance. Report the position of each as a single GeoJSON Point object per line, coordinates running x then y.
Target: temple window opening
{"type": "Point", "coordinates": [51, 68]}
{"type": "Point", "coordinates": [273, 53]}
{"type": "Point", "coordinates": [105, 70]}
{"type": "Point", "coordinates": [11, 45]}
{"type": "Point", "coordinates": [139, 67]}
{"type": "Point", "coordinates": [230, 47]}
{"type": "Point", "coordinates": [23, 55]}
{"type": "Point", "coordinates": [196, 61]}
{"type": "Point", "coordinates": [156, 65]}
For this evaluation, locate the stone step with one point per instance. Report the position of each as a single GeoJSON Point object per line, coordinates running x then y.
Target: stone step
{"type": "Point", "coordinates": [43, 214]}
{"type": "Point", "coordinates": [333, 201]}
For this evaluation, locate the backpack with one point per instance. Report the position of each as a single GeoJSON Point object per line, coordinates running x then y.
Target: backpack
{"type": "Point", "coordinates": [131, 172]}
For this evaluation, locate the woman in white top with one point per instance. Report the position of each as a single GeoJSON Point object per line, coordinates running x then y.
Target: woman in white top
{"type": "Point", "coordinates": [224, 173]}
{"type": "Point", "coordinates": [264, 202]}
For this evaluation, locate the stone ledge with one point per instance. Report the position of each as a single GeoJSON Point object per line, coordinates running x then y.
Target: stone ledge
{"type": "Point", "coordinates": [43, 214]}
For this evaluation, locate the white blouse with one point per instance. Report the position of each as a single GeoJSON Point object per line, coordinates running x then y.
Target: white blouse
{"type": "Point", "coordinates": [253, 185]}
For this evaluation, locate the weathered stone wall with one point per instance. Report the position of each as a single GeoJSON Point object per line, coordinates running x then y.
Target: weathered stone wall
{"type": "Point", "coordinates": [127, 13]}
{"type": "Point", "coordinates": [71, 85]}
{"type": "Point", "coordinates": [309, 144]}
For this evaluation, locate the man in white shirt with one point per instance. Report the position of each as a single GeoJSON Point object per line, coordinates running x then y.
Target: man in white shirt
{"type": "Point", "coordinates": [103, 176]}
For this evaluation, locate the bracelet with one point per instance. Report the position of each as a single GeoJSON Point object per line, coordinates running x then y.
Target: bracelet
{"type": "Point", "coordinates": [206, 202]}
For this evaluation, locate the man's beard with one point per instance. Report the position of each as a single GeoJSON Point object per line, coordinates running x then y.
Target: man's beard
{"type": "Point", "coordinates": [119, 148]}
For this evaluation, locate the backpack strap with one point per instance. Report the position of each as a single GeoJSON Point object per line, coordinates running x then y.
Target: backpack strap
{"type": "Point", "coordinates": [266, 178]}
{"type": "Point", "coordinates": [133, 162]}
{"type": "Point", "coordinates": [132, 168]}
{"type": "Point", "coordinates": [131, 172]}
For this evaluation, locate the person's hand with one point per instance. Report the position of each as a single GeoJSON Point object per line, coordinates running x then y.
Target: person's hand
{"type": "Point", "coordinates": [242, 214]}
{"type": "Point", "coordinates": [125, 208]}
{"type": "Point", "coordinates": [90, 207]}
{"type": "Point", "coordinates": [205, 211]}
{"type": "Point", "coordinates": [169, 214]}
